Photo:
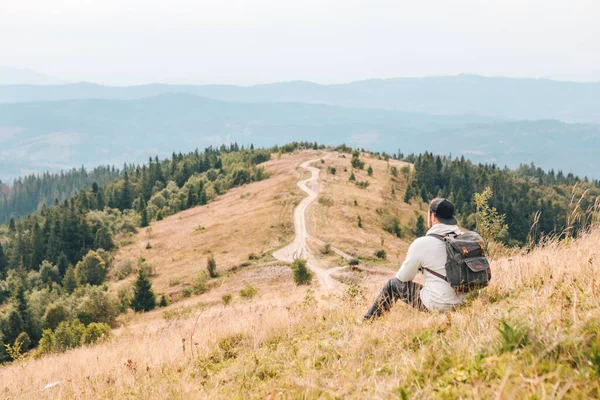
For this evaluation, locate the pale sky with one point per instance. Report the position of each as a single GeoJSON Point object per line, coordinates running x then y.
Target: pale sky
{"type": "Point", "coordinates": [246, 42]}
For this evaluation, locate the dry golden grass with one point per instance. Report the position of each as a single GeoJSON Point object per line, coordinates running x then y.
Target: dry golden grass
{"type": "Point", "coordinates": [255, 218]}
{"type": "Point", "coordinates": [289, 344]}
{"type": "Point", "coordinates": [334, 218]}
{"type": "Point", "coordinates": [295, 342]}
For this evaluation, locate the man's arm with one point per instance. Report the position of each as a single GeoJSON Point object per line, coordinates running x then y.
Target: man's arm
{"type": "Point", "coordinates": [411, 264]}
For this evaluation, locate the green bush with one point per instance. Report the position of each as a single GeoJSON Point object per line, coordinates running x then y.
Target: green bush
{"type": "Point", "coordinates": [54, 315]}
{"type": "Point", "coordinates": [163, 301]}
{"type": "Point", "coordinates": [249, 291]}
{"type": "Point", "coordinates": [354, 261]}
{"type": "Point", "coordinates": [67, 335]}
{"type": "Point", "coordinates": [174, 281]}
{"type": "Point", "coordinates": [186, 292]}
{"type": "Point", "coordinates": [199, 282]}
{"type": "Point", "coordinates": [95, 332]}
{"type": "Point", "coordinates": [226, 299]}
{"type": "Point", "coordinates": [302, 276]}
{"type": "Point", "coordinates": [381, 254]}
{"type": "Point", "coordinates": [123, 269]}
{"type": "Point", "coordinates": [91, 270]}
{"type": "Point", "coordinates": [96, 305]}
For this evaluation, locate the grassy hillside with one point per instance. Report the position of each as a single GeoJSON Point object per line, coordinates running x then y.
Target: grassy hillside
{"type": "Point", "coordinates": [532, 334]}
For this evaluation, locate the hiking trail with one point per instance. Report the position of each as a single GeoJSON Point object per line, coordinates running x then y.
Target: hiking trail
{"type": "Point", "coordinates": [299, 247]}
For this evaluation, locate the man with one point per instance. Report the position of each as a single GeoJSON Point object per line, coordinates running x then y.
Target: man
{"type": "Point", "coordinates": [427, 253]}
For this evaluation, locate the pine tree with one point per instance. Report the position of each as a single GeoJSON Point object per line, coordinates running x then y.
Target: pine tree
{"type": "Point", "coordinates": [69, 282]}
{"type": "Point", "coordinates": [370, 171]}
{"type": "Point", "coordinates": [62, 264]}
{"type": "Point", "coordinates": [143, 296]}
{"type": "Point", "coordinates": [144, 214]}
{"type": "Point", "coordinates": [3, 263]}
{"type": "Point", "coordinates": [37, 246]}
{"type": "Point", "coordinates": [352, 177]}
{"type": "Point", "coordinates": [410, 193]}
{"type": "Point", "coordinates": [11, 225]}
{"type": "Point", "coordinates": [420, 228]}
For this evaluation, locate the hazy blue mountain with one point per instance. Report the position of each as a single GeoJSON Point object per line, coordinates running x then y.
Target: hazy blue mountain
{"type": "Point", "coordinates": [19, 76]}
{"type": "Point", "coordinates": [530, 99]}
{"type": "Point", "coordinates": [64, 134]}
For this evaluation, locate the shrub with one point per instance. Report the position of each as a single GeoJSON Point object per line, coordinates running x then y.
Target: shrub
{"type": "Point", "coordinates": [67, 336]}
{"type": "Point", "coordinates": [249, 291]}
{"type": "Point", "coordinates": [187, 292]}
{"type": "Point", "coordinates": [211, 267]}
{"type": "Point", "coordinates": [354, 261]}
{"type": "Point", "coordinates": [163, 301]}
{"type": "Point", "coordinates": [96, 305]}
{"type": "Point", "coordinates": [362, 184]}
{"type": "Point", "coordinates": [95, 332]}
{"type": "Point", "coordinates": [253, 256]}
{"type": "Point", "coordinates": [46, 344]}
{"type": "Point", "coordinates": [326, 249]}
{"type": "Point", "coordinates": [124, 296]}
{"type": "Point", "coordinates": [392, 225]}
{"type": "Point", "coordinates": [326, 201]}
{"type": "Point", "coordinates": [352, 177]}
{"type": "Point", "coordinates": [23, 342]}
{"type": "Point", "coordinates": [148, 246]}
{"type": "Point", "coordinates": [226, 299]}
{"type": "Point", "coordinates": [174, 281]}
{"type": "Point", "coordinates": [123, 269]}
{"type": "Point", "coordinates": [146, 267]}
{"type": "Point", "coordinates": [332, 170]}
{"type": "Point", "coordinates": [302, 276]}
{"type": "Point", "coordinates": [370, 171]}
{"type": "Point", "coordinates": [199, 282]}
{"type": "Point", "coordinates": [394, 171]}
{"type": "Point", "coordinates": [91, 270]}
{"type": "Point", "coordinates": [54, 315]}
{"type": "Point", "coordinates": [381, 254]}
{"type": "Point", "coordinates": [360, 225]}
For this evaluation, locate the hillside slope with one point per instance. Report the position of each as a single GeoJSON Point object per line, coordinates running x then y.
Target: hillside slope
{"type": "Point", "coordinates": [533, 332]}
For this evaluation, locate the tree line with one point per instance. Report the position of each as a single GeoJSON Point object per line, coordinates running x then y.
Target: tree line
{"type": "Point", "coordinates": [54, 262]}
{"type": "Point", "coordinates": [553, 203]}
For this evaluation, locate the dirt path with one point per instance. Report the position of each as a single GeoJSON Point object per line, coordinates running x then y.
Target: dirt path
{"type": "Point", "coordinates": [299, 248]}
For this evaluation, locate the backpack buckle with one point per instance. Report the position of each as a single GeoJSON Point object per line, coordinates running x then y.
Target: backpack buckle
{"type": "Point", "coordinates": [465, 252]}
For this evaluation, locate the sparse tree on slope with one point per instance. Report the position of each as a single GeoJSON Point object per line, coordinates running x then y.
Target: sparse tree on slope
{"type": "Point", "coordinates": [143, 296]}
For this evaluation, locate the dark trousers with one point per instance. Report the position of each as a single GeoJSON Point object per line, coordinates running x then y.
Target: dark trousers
{"type": "Point", "coordinates": [394, 290]}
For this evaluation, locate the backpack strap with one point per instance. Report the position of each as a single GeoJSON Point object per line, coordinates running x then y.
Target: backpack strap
{"type": "Point", "coordinates": [434, 273]}
{"type": "Point", "coordinates": [443, 239]}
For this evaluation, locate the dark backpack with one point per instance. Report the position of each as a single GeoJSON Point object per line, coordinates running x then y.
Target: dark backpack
{"type": "Point", "coordinates": [467, 267]}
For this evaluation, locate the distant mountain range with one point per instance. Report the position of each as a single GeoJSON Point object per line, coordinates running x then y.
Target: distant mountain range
{"type": "Point", "coordinates": [524, 99]}
{"type": "Point", "coordinates": [62, 134]}
{"type": "Point", "coordinates": [20, 76]}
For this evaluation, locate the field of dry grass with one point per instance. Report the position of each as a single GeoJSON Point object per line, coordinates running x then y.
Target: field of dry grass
{"type": "Point", "coordinates": [255, 218]}
{"type": "Point", "coordinates": [334, 218]}
{"type": "Point", "coordinates": [533, 333]}
{"type": "Point", "coordinates": [291, 343]}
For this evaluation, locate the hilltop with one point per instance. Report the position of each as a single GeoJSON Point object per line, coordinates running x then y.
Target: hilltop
{"type": "Point", "coordinates": [533, 332]}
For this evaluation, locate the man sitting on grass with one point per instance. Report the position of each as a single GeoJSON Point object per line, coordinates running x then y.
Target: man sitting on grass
{"type": "Point", "coordinates": [427, 253]}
